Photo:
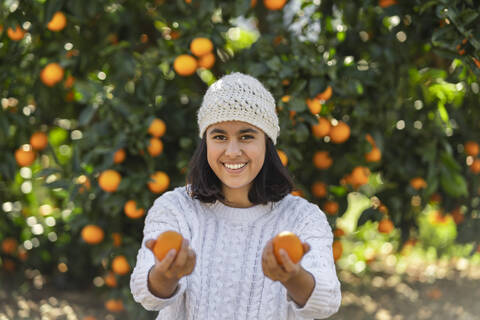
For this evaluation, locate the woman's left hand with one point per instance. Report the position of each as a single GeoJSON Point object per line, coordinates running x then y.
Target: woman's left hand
{"type": "Point", "coordinates": [277, 272]}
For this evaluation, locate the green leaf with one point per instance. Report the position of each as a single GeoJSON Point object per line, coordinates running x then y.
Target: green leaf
{"type": "Point", "coordinates": [86, 115]}
{"type": "Point", "coordinates": [302, 133]}
{"type": "Point", "coordinates": [297, 105]}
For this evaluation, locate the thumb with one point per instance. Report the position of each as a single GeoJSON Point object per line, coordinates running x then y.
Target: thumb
{"type": "Point", "coordinates": [150, 244]}
{"type": "Point", "coordinates": [306, 248]}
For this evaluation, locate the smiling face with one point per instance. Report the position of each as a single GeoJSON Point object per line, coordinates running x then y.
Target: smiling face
{"type": "Point", "coordinates": [236, 153]}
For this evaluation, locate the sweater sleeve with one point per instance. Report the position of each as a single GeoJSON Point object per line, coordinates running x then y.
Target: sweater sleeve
{"type": "Point", "coordinates": [160, 217]}
{"type": "Point", "coordinates": [326, 296]}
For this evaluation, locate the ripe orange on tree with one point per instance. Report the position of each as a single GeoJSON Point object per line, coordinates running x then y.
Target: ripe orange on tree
{"type": "Point", "coordinates": [165, 242]}
{"type": "Point", "coordinates": [160, 182]}
{"type": "Point", "coordinates": [289, 242]}
{"type": "Point", "coordinates": [314, 106]}
{"type": "Point", "coordinates": [25, 156]}
{"type": "Point", "coordinates": [319, 189]}
{"type": "Point", "coordinates": [120, 265]}
{"type": "Point", "coordinates": [39, 140]}
{"type": "Point", "coordinates": [386, 3]}
{"type": "Point", "coordinates": [274, 4]}
{"type": "Point", "coordinates": [206, 61]}
{"type": "Point", "coordinates": [418, 183]}
{"type": "Point", "coordinates": [17, 34]}
{"type": "Point", "coordinates": [340, 133]}
{"type": "Point", "coordinates": [322, 160]}
{"type": "Point", "coordinates": [132, 211]}
{"type": "Point", "coordinates": [119, 156]}
{"type": "Point", "coordinates": [201, 46]}
{"type": "Point", "coordinates": [338, 232]}
{"type": "Point", "coordinates": [471, 148]}
{"type": "Point", "coordinates": [114, 305]}
{"type": "Point", "coordinates": [157, 128]}
{"type": "Point", "coordinates": [374, 155]}
{"type": "Point", "coordinates": [92, 234]}
{"type": "Point", "coordinates": [322, 128]}
{"type": "Point", "coordinates": [155, 147]}
{"type": "Point", "coordinates": [109, 180]}
{"type": "Point", "coordinates": [51, 74]}
{"type": "Point", "coordinates": [475, 166]}
{"type": "Point", "coordinates": [185, 65]}
{"type": "Point", "coordinates": [337, 249]}
{"type": "Point", "coordinates": [385, 225]}
{"type": "Point", "coordinates": [330, 207]}
{"type": "Point", "coordinates": [9, 245]}
{"type": "Point", "coordinates": [283, 157]}
{"type": "Point", "coordinates": [110, 279]}
{"type": "Point", "coordinates": [58, 22]}
{"type": "Point", "coordinates": [298, 193]}
{"type": "Point", "coordinates": [358, 177]}
{"type": "Point", "coordinates": [457, 215]}
{"type": "Point", "coordinates": [325, 95]}
{"type": "Point", "coordinates": [117, 239]}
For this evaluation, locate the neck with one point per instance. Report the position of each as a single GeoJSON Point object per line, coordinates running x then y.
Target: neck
{"type": "Point", "coordinates": [237, 198]}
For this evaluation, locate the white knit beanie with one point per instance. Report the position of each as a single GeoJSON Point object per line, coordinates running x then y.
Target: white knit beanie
{"type": "Point", "coordinates": [239, 97]}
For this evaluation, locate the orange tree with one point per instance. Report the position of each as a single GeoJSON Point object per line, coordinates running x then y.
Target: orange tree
{"type": "Point", "coordinates": [378, 97]}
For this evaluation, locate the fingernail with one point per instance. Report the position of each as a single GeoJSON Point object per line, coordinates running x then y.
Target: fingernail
{"type": "Point", "coordinates": [172, 252]}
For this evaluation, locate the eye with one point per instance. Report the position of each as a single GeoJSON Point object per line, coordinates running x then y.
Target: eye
{"type": "Point", "coordinates": [247, 137]}
{"type": "Point", "coordinates": [219, 137]}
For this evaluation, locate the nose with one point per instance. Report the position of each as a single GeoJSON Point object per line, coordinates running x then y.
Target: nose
{"type": "Point", "coordinates": [233, 149]}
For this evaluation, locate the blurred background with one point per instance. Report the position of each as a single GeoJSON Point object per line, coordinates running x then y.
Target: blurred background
{"type": "Point", "coordinates": [380, 126]}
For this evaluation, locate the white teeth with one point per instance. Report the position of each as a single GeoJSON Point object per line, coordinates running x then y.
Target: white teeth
{"type": "Point", "coordinates": [235, 166]}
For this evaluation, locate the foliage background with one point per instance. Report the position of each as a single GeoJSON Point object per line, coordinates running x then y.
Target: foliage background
{"type": "Point", "coordinates": [407, 74]}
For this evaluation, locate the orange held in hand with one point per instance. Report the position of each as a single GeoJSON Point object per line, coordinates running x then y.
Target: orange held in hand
{"type": "Point", "coordinates": [167, 241]}
{"type": "Point", "coordinates": [289, 242]}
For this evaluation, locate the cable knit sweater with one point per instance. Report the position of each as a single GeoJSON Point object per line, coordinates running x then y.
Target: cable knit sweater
{"type": "Point", "coordinates": [228, 282]}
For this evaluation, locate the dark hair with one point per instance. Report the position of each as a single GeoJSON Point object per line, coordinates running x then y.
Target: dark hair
{"type": "Point", "coordinates": [272, 183]}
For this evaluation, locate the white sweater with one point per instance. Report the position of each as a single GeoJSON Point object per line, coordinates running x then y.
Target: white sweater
{"type": "Point", "coordinates": [228, 281]}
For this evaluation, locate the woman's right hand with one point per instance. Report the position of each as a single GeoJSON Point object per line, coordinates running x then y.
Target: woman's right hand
{"type": "Point", "coordinates": [164, 275]}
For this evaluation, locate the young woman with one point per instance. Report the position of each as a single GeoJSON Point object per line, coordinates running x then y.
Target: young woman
{"type": "Point", "coordinates": [237, 198]}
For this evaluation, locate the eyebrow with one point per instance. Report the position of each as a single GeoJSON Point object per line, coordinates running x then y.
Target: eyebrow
{"type": "Point", "coordinates": [248, 130]}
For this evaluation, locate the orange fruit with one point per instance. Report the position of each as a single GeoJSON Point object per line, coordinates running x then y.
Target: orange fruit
{"type": "Point", "coordinates": [319, 189]}
{"type": "Point", "coordinates": [110, 279]}
{"type": "Point", "coordinates": [17, 34]}
{"type": "Point", "coordinates": [58, 22]}
{"type": "Point", "coordinates": [475, 166]}
{"type": "Point", "coordinates": [132, 211]}
{"type": "Point", "coordinates": [386, 3]}
{"type": "Point", "coordinates": [370, 139]}
{"type": "Point", "coordinates": [283, 157]}
{"type": "Point", "coordinates": [201, 46]}
{"type": "Point", "coordinates": [119, 156]}
{"type": "Point", "coordinates": [165, 242]}
{"type": "Point", "coordinates": [374, 155]}
{"type": "Point", "coordinates": [337, 249]}
{"type": "Point", "coordinates": [109, 180]}
{"type": "Point", "coordinates": [322, 160]}
{"type": "Point", "coordinates": [314, 106]}
{"type": "Point", "coordinates": [385, 226]}
{"type": "Point", "coordinates": [9, 245]}
{"type": "Point", "coordinates": [39, 140]}
{"type": "Point", "coordinates": [359, 176]}
{"type": "Point", "coordinates": [253, 3]}
{"type": "Point", "coordinates": [330, 207]}
{"type": "Point", "coordinates": [436, 198]}
{"type": "Point", "coordinates": [298, 193]}
{"type": "Point", "coordinates": [325, 95]}
{"type": "Point", "coordinates": [321, 129]}
{"type": "Point", "coordinates": [117, 239]}
{"type": "Point", "coordinates": [155, 147]}
{"type": "Point", "coordinates": [89, 318]}
{"type": "Point", "coordinates": [9, 265]}
{"type": "Point", "coordinates": [25, 156]}
{"type": "Point", "coordinates": [457, 215]}
{"type": "Point", "coordinates": [120, 265]}
{"type": "Point", "coordinates": [206, 61]}
{"type": "Point", "coordinates": [285, 99]}
{"type": "Point", "coordinates": [85, 183]}
{"type": "Point", "coordinates": [418, 183]}
{"type": "Point", "coordinates": [274, 4]}
{"type": "Point", "coordinates": [338, 232]}
{"type": "Point", "coordinates": [340, 133]}
{"type": "Point", "coordinates": [477, 62]}
{"type": "Point", "coordinates": [51, 74]}
{"type": "Point", "coordinates": [160, 182]}
{"type": "Point", "coordinates": [185, 65]}
{"type": "Point", "coordinates": [92, 234]}
{"type": "Point", "coordinates": [157, 128]}
{"type": "Point", "coordinates": [69, 81]}
{"type": "Point", "coordinates": [289, 242]}
{"type": "Point", "coordinates": [471, 148]}
{"type": "Point", "coordinates": [114, 305]}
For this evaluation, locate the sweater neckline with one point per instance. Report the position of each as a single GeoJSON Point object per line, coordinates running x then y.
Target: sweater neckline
{"type": "Point", "coordinates": [240, 215]}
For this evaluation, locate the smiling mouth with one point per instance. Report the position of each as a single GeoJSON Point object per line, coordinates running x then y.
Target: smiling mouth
{"type": "Point", "coordinates": [235, 166]}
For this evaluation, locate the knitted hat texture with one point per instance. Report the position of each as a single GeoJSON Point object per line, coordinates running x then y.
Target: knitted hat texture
{"type": "Point", "coordinates": [239, 97]}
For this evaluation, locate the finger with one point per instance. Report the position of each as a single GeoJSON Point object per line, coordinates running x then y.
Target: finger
{"type": "Point", "coordinates": [288, 264]}
{"type": "Point", "coordinates": [191, 261]}
{"type": "Point", "coordinates": [270, 256]}
{"type": "Point", "coordinates": [150, 244]}
{"type": "Point", "coordinates": [167, 261]}
{"type": "Point", "coordinates": [306, 247]}
{"type": "Point", "coordinates": [181, 258]}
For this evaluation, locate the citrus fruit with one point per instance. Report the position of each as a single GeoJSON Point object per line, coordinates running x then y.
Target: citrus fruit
{"type": "Point", "coordinates": [119, 156]}
{"type": "Point", "coordinates": [157, 128]}
{"type": "Point", "coordinates": [39, 140]}
{"type": "Point", "coordinates": [25, 156]}
{"type": "Point", "coordinates": [471, 148]}
{"type": "Point", "coordinates": [109, 180]}
{"type": "Point", "coordinates": [274, 4]}
{"type": "Point", "coordinates": [58, 22]}
{"type": "Point", "coordinates": [322, 160]}
{"type": "Point", "coordinates": [185, 65]}
{"type": "Point", "coordinates": [340, 132]}
{"type": "Point", "coordinates": [92, 234]}
{"type": "Point", "coordinates": [321, 129]}
{"type": "Point", "coordinates": [418, 183]}
{"type": "Point", "coordinates": [337, 249]}
{"type": "Point", "coordinates": [319, 189]}
{"type": "Point", "coordinates": [110, 279]}
{"type": "Point", "coordinates": [206, 61]}
{"type": "Point", "coordinates": [9, 245]}
{"type": "Point", "coordinates": [17, 34]}
{"type": "Point", "coordinates": [160, 182]}
{"type": "Point", "coordinates": [330, 207]}
{"type": "Point", "coordinates": [114, 305]}
{"type": "Point", "coordinates": [374, 155]}
{"type": "Point", "coordinates": [283, 157]}
{"type": "Point", "coordinates": [165, 242]}
{"type": "Point", "coordinates": [325, 95]}
{"type": "Point", "coordinates": [314, 106]}
{"type": "Point", "coordinates": [51, 74]}
{"type": "Point", "coordinates": [155, 147]}
{"type": "Point", "coordinates": [132, 211]}
{"type": "Point", "coordinates": [201, 46]}
{"type": "Point", "coordinates": [385, 226]}
{"type": "Point", "coordinates": [120, 265]}
{"type": "Point", "coordinates": [289, 242]}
